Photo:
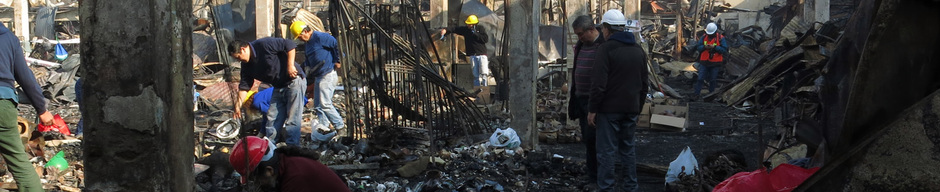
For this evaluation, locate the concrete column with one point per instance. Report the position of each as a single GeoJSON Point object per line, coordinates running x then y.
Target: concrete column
{"type": "Point", "coordinates": [523, 19]}
{"type": "Point", "coordinates": [21, 22]}
{"type": "Point", "coordinates": [809, 10]}
{"type": "Point", "coordinates": [264, 18]}
{"type": "Point", "coordinates": [822, 10]}
{"type": "Point", "coordinates": [136, 58]}
{"type": "Point", "coordinates": [631, 9]}
{"type": "Point", "coordinates": [439, 13]}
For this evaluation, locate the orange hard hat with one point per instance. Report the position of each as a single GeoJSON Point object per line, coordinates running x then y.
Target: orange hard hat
{"type": "Point", "coordinates": [257, 150]}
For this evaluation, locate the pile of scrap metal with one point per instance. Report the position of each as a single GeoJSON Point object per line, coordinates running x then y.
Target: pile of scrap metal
{"type": "Point", "coordinates": [834, 87]}
{"type": "Point", "coordinates": [392, 79]}
{"type": "Point", "coordinates": [672, 28]}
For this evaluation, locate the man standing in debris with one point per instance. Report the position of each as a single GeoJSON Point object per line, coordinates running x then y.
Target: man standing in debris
{"type": "Point", "coordinates": [475, 40]}
{"type": "Point", "coordinates": [322, 53]}
{"type": "Point", "coordinates": [589, 39]}
{"type": "Point", "coordinates": [271, 60]}
{"type": "Point", "coordinates": [15, 71]}
{"type": "Point", "coordinates": [619, 84]}
{"type": "Point", "coordinates": [712, 48]}
{"type": "Point", "coordinates": [288, 168]}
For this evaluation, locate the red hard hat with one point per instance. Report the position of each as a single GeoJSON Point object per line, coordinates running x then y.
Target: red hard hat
{"type": "Point", "coordinates": [256, 150]}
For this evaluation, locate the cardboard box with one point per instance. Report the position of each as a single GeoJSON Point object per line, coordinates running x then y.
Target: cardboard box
{"type": "Point", "coordinates": [665, 101]}
{"type": "Point", "coordinates": [669, 117]}
{"type": "Point", "coordinates": [644, 118]}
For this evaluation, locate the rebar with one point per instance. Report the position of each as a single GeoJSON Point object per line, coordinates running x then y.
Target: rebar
{"type": "Point", "coordinates": [392, 79]}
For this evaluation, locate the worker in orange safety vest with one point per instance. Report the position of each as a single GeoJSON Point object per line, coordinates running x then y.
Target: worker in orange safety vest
{"type": "Point", "coordinates": [713, 48]}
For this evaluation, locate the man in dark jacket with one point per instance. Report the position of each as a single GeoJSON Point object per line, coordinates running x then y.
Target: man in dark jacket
{"type": "Point", "coordinates": [589, 39]}
{"type": "Point", "coordinates": [713, 48]}
{"type": "Point", "coordinates": [271, 60]}
{"type": "Point", "coordinates": [475, 39]}
{"type": "Point", "coordinates": [15, 71]}
{"type": "Point", "coordinates": [618, 87]}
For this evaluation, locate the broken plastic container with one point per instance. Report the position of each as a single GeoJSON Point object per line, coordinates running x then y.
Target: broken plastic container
{"type": "Point", "coordinates": [58, 161]}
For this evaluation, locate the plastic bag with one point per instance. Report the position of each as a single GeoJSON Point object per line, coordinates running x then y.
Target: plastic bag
{"type": "Point", "coordinates": [786, 177]}
{"type": "Point", "coordinates": [684, 163]}
{"type": "Point", "coordinates": [58, 124]}
{"type": "Point", "coordinates": [60, 53]}
{"type": "Point", "coordinates": [783, 178]}
{"type": "Point", "coordinates": [505, 138]}
{"type": "Point", "coordinates": [756, 181]}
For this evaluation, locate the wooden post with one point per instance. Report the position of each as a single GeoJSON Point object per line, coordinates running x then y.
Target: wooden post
{"type": "Point", "coordinates": [21, 22]}
{"type": "Point", "coordinates": [680, 40]}
{"type": "Point", "coordinates": [138, 82]}
{"type": "Point", "coordinates": [523, 19]}
{"type": "Point", "coordinates": [264, 23]}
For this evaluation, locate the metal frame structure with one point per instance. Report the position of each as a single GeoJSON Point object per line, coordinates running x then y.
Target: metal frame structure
{"type": "Point", "coordinates": [389, 75]}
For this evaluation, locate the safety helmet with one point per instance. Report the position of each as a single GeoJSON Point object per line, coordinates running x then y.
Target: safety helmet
{"type": "Point", "coordinates": [255, 148]}
{"type": "Point", "coordinates": [614, 17]}
{"type": "Point", "coordinates": [711, 28]}
{"type": "Point", "coordinates": [297, 27]}
{"type": "Point", "coordinates": [472, 20]}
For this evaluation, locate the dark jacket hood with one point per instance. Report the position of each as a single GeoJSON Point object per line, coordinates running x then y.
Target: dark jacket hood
{"type": "Point", "coordinates": [623, 37]}
{"type": "Point", "coordinates": [3, 29]}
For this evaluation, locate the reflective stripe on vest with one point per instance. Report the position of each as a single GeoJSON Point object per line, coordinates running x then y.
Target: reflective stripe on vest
{"type": "Point", "coordinates": [707, 54]}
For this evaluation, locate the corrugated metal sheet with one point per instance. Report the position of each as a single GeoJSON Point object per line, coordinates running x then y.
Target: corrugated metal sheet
{"type": "Point", "coordinates": [740, 60]}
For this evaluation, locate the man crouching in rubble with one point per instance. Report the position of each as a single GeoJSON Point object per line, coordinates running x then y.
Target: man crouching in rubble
{"type": "Point", "coordinates": [15, 70]}
{"type": "Point", "coordinates": [271, 60]}
{"type": "Point", "coordinates": [618, 88]}
{"type": "Point", "coordinates": [288, 168]}
{"type": "Point", "coordinates": [322, 51]}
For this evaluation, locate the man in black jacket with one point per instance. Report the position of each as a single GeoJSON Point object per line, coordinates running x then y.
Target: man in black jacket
{"type": "Point", "coordinates": [589, 39]}
{"type": "Point", "coordinates": [475, 39]}
{"type": "Point", "coordinates": [618, 86]}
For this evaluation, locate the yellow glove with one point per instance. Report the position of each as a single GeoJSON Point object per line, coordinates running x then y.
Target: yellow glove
{"type": "Point", "coordinates": [248, 98]}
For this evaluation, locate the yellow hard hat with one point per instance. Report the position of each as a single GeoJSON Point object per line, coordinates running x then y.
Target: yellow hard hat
{"type": "Point", "coordinates": [472, 20]}
{"type": "Point", "coordinates": [297, 27]}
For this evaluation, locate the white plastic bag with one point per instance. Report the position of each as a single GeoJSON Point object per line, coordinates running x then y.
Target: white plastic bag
{"type": "Point", "coordinates": [505, 138]}
{"type": "Point", "coordinates": [684, 163]}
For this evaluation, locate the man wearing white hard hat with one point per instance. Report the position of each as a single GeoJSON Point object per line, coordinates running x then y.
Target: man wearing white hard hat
{"type": "Point", "coordinates": [712, 48]}
{"type": "Point", "coordinates": [619, 84]}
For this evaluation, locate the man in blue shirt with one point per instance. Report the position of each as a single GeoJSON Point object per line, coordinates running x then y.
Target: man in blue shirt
{"type": "Point", "coordinates": [271, 60]}
{"type": "Point", "coordinates": [13, 70]}
{"type": "Point", "coordinates": [322, 60]}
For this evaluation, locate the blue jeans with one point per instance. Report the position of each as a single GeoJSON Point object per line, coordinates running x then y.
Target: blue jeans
{"type": "Point", "coordinates": [481, 69]}
{"type": "Point", "coordinates": [323, 101]}
{"type": "Point", "coordinates": [707, 73]}
{"type": "Point", "coordinates": [616, 141]}
{"type": "Point", "coordinates": [78, 99]}
{"type": "Point", "coordinates": [286, 110]}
